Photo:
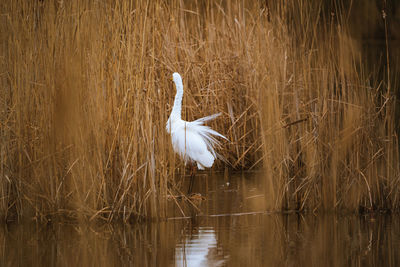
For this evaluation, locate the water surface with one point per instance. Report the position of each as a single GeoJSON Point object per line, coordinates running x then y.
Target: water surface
{"type": "Point", "coordinates": [229, 228]}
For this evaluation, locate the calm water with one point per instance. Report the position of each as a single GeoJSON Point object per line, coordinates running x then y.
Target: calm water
{"type": "Point", "coordinates": [228, 229]}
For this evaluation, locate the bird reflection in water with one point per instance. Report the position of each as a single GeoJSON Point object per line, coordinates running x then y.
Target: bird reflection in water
{"type": "Point", "coordinates": [199, 249]}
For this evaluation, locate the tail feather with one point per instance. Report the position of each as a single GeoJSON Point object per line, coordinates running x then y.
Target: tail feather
{"type": "Point", "coordinates": [208, 118]}
{"type": "Point", "coordinates": [207, 133]}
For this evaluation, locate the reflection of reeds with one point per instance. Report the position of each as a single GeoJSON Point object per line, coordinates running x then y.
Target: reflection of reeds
{"type": "Point", "coordinates": [297, 240]}
{"type": "Point", "coordinates": [31, 244]}
{"type": "Point", "coordinates": [86, 92]}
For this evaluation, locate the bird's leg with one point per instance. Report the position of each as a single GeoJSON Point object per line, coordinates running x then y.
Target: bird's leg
{"type": "Point", "coordinates": [192, 174]}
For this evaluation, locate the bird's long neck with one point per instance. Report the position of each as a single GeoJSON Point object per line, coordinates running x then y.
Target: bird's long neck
{"type": "Point", "coordinates": [177, 109]}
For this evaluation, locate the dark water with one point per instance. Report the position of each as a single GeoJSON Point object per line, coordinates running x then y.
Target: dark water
{"type": "Point", "coordinates": [228, 229]}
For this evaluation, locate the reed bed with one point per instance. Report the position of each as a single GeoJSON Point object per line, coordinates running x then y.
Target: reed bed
{"type": "Point", "coordinates": [86, 92]}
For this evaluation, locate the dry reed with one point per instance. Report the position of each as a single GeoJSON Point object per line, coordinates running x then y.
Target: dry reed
{"type": "Point", "coordinates": [86, 92]}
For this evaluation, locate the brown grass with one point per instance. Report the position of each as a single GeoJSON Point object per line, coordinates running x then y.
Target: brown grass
{"type": "Point", "coordinates": [86, 92]}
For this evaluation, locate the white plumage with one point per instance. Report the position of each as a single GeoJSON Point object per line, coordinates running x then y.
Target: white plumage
{"type": "Point", "coordinates": [192, 140]}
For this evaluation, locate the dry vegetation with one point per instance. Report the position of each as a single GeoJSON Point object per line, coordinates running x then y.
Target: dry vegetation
{"type": "Point", "coordinates": [86, 91]}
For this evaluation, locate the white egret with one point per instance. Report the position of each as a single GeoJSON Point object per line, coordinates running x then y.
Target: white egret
{"type": "Point", "coordinates": [191, 140]}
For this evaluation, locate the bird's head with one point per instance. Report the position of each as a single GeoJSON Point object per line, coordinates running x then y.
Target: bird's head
{"type": "Point", "coordinates": [176, 77]}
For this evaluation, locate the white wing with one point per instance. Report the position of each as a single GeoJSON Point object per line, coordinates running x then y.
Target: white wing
{"type": "Point", "coordinates": [190, 145]}
{"type": "Point", "coordinates": [206, 132]}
